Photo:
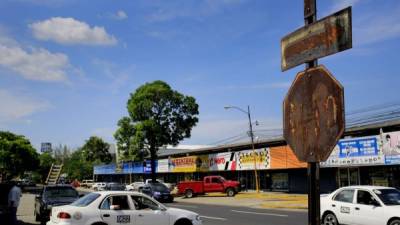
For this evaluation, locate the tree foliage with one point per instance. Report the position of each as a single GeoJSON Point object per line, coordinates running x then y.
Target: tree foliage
{"type": "Point", "coordinates": [95, 149]}
{"type": "Point", "coordinates": [77, 167]}
{"type": "Point", "coordinates": [17, 155]}
{"type": "Point", "coordinates": [159, 116]}
{"type": "Point", "coordinates": [45, 159]}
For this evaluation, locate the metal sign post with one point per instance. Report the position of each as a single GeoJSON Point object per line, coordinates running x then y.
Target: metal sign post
{"type": "Point", "coordinates": [314, 202]}
{"type": "Point", "coordinates": [313, 108]}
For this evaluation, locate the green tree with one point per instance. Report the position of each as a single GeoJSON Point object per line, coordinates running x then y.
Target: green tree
{"type": "Point", "coordinates": [46, 159]}
{"type": "Point", "coordinates": [96, 149]}
{"type": "Point", "coordinates": [160, 116]}
{"type": "Point", "coordinates": [77, 167]}
{"type": "Point", "coordinates": [17, 155]}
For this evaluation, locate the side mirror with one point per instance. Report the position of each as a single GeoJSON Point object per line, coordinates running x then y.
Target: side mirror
{"type": "Point", "coordinates": [81, 195]}
{"type": "Point", "coordinates": [114, 207]}
{"type": "Point", "coordinates": [38, 196]}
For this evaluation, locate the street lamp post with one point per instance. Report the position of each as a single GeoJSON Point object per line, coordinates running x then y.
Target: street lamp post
{"type": "Point", "coordinates": [252, 140]}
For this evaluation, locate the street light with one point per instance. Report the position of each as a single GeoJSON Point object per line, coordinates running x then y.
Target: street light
{"type": "Point", "coordinates": [252, 139]}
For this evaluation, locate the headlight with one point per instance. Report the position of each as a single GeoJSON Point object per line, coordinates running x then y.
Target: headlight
{"type": "Point", "coordinates": [157, 193]}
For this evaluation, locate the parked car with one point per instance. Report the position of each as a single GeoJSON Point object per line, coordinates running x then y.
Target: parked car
{"type": "Point", "coordinates": [53, 195]}
{"type": "Point", "coordinates": [120, 207]}
{"type": "Point", "coordinates": [158, 191]}
{"type": "Point", "coordinates": [114, 187]}
{"type": "Point", "coordinates": [209, 184]}
{"type": "Point", "coordinates": [366, 205]}
{"type": "Point", "coordinates": [87, 183]}
{"type": "Point", "coordinates": [99, 186]}
{"type": "Point", "coordinates": [169, 185]}
{"type": "Point", "coordinates": [135, 186]}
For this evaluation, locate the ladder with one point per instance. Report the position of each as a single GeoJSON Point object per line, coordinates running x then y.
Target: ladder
{"type": "Point", "coordinates": [54, 174]}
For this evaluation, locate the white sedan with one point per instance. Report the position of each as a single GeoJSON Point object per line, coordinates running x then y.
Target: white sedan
{"type": "Point", "coordinates": [120, 207]}
{"type": "Point", "coordinates": [361, 205]}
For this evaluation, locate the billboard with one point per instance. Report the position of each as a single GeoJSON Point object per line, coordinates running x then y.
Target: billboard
{"type": "Point", "coordinates": [390, 147]}
{"type": "Point", "coordinates": [355, 151]}
{"type": "Point", "coordinates": [245, 159]}
{"type": "Point", "coordinates": [163, 166]}
{"type": "Point", "coordinates": [183, 164]}
{"type": "Point", "coordinates": [225, 161]}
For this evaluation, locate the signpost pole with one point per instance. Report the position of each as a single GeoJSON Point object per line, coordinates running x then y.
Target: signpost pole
{"type": "Point", "coordinates": [310, 16]}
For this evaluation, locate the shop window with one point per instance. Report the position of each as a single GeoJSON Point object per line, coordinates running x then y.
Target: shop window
{"type": "Point", "coordinates": [280, 181]}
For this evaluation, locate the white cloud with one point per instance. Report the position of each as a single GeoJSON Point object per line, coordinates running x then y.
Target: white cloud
{"type": "Point", "coordinates": [33, 63]}
{"type": "Point", "coordinates": [16, 107]}
{"type": "Point", "coordinates": [121, 15]}
{"type": "Point", "coordinates": [70, 31]}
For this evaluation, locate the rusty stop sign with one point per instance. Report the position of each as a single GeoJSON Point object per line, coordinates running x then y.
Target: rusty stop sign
{"type": "Point", "coordinates": [314, 114]}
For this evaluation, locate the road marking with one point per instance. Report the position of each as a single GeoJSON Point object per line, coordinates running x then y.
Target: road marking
{"type": "Point", "coordinates": [187, 206]}
{"type": "Point", "coordinates": [258, 213]}
{"type": "Point", "coordinates": [213, 218]}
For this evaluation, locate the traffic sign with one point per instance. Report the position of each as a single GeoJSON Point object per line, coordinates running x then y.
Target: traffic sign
{"type": "Point", "coordinates": [313, 114]}
{"type": "Point", "coordinates": [327, 36]}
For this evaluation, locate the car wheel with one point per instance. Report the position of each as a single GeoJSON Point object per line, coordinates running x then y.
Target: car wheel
{"type": "Point", "coordinates": [189, 193]}
{"type": "Point", "coordinates": [230, 192]}
{"type": "Point", "coordinates": [330, 219]}
{"type": "Point", "coordinates": [395, 222]}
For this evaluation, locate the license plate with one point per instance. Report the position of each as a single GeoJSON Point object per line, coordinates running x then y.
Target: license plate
{"type": "Point", "coordinates": [124, 219]}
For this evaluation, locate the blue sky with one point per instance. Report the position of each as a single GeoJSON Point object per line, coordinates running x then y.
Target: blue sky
{"type": "Point", "coordinates": [67, 67]}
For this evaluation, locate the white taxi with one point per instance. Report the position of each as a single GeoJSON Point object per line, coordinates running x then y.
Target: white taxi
{"type": "Point", "coordinates": [120, 207]}
{"type": "Point", "coordinates": [361, 205]}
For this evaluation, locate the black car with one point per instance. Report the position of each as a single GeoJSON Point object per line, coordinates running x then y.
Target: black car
{"type": "Point", "coordinates": [114, 187]}
{"type": "Point", "coordinates": [158, 191]}
{"type": "Point", "coordinates": [54, 195]}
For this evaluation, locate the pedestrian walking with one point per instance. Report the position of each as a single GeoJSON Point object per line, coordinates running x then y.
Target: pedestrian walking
{"type": "Point", "coordinates": [13, 202]}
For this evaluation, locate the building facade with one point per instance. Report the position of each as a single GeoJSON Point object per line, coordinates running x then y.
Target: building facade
{"type": "Point", "coordinates": [365, 156]}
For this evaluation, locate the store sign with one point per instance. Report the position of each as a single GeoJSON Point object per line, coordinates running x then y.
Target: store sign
{"type": "Point", "coordinates": [390, 147]}
{"type": "Point", "coordinates": [163, 166]}
{"type": "Point", "coordinates": [183, 164]}
{"type": "Point", "coordinates": [104, 169]}
{"type": "Point", "coordinates": [246, 159]}
{"type": "Point", "coordinates": [358, 147]}
{"type": "Point", "coordinates": [355, 151]}
{"type": "Point", "coordinates": [223, 161]}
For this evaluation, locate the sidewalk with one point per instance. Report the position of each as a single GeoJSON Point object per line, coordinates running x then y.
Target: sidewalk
{"type": "Point", "coordinates": [270, 200]}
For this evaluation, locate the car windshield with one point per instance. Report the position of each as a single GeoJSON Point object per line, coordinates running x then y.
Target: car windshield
{"type": "Point", "coordinates": [60, 192]}
{"type": "Point", "coordinates": [86, 200]}
{"type": "Point", "coordinates": [159, 187]}
{"type": "Point", "coordinates": [388, 196]}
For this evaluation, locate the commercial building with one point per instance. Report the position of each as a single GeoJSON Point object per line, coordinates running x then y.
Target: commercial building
{"type": "Point", "coordinates": [368, 154]}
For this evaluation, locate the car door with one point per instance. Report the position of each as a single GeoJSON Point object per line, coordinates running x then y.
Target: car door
{"type": "Point", "coordinates": [342, 205]}
{"type": "Point", "coordinates": [215, 184]}
{"type": "Point", "coordinates": [149, 212]}
{"type": "Point", "coordinates": [117, 209]}
{"type": "Point", "coordinates": [367, 209]}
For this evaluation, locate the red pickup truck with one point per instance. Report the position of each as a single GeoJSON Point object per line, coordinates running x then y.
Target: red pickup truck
{"type": "Point", "coordinates": [209, 184]}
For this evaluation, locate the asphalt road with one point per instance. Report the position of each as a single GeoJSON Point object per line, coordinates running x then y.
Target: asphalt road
{"type": "Point", "coordinates": [211, 214]}
{"type": "Point", "coordinates": [231, 215]}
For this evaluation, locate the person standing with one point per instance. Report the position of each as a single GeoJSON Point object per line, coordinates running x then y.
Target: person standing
{"type": "Point", "coordinates": [13, 202]}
